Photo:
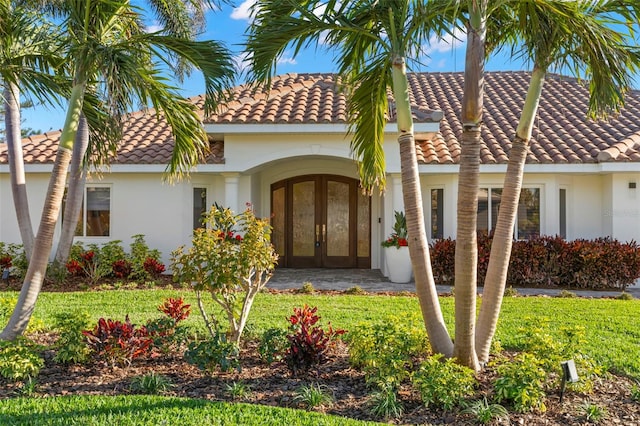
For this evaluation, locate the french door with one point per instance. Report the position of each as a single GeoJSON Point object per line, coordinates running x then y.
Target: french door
{"type": "Point", "coordinates": [321, 221]}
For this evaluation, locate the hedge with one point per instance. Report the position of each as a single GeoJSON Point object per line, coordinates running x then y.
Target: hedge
{"type": "Point", "coordinates": [598, 264]}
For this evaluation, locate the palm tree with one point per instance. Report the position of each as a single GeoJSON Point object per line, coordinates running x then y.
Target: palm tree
{"type": "Point", "coordinates": [29, 50]}
{"type": "Point", "coordinates": [374, 40]}
{"type": "Point", "coordinates": [568, 35]}
{"type": "Point", "coordinates": [106, 40]}
{"type": "Point", "coordinates": [178, 18]}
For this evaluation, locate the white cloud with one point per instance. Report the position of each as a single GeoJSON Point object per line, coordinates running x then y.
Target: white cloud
{"type": "Point", "coordinates": [447, 43]}
{"type": "Point", "coordinates": [154, 27]}
{"type": "Point", "coordinates": [287, 60]}
{"type": "Point", "coordinates": [243, 11]}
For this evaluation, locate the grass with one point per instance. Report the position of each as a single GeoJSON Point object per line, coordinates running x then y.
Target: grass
{"type": "Point", "coordinates": [144, 410]}
{"type": "Point", "coordinates": [610, 324]}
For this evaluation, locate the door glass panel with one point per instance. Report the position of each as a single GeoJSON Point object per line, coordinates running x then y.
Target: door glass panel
{"type": "Point", "coordinates": [304, 218]}
{"type": "Point", "coordinates": [337, 219]}
{"type": "Point", "coordinates": [277, 220]}
{"type": "Point", "coordinates": [364, 231]}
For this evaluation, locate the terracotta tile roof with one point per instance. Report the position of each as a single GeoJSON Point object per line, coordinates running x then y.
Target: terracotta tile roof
{"type": "Point", "coordinates": [562, 134]}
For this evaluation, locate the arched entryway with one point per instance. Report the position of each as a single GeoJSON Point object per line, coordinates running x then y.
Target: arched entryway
{"type": "Point", "coordinates": [321, 221]}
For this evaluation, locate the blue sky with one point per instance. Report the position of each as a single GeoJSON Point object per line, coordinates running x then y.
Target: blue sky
{"type": "Point", "coordinates": [228, 25]}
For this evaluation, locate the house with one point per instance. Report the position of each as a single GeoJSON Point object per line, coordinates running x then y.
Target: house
{"type": "Point", "coordinates": [286, 153]}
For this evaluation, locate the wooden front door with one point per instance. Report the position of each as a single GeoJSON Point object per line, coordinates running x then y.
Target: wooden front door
{"type": "Point", "coordinates": [321, 221]}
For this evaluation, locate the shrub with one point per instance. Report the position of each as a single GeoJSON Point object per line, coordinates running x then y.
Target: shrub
{"type": "Point", "coordinates": [20, 359]}
{"type": "Point", "coordinates": [385, 403]}
{"type": "Point", "coordinates": [521, 382]}
{"type": "Point", "coordinates": [121, 268]}
{"type": "Point", "coordinates": [484, 412]}
{"type": "Point", "coordinates": [232, 259]}
{"type": "Point", "coordinates": [443, 383]}
{"type": "Point", "coordinates": [72, 344]}
{"type": "Point", "coordinates": [211, 355]}
{"type": "Point", "coordinates": [308, 342]}
{"type": "Point", "coordinates": [386, 351]}
{"type": "Point", "coordinates": [602, 263]}
{"type": "Point", "coordinates": [13, 258]}
{"type": "Point", "coordinates": [118, 343]}
{"type": "Point", "coordinates": [140, 255]}
{"type": "Point", "coordinates": [273, 345]}
{"type": "Point", "coordinates": [166, 331]}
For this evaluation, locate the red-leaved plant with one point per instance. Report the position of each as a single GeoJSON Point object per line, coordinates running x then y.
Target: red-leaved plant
{"type": "Point", "coordinates": [153, 267]}
{"type": "Point", "coordinates": [121, 268]}
{"type": "Point", "coordinates": [5, 262]}
{"type": "Point", "coordinates": [118, 343]}
{"type": "Point", "coordinates": [175, 308]}
{"type": "Point", "coordinates": [308, 342]}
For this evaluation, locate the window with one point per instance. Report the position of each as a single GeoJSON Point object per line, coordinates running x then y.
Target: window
{"type": "Point", "coordinates": [199, 206]}
{"type": "Point", "coordinates": [563, 212]}
{"type": "Point", "coordinates": [437, 215]}
{"type": "Point", "coordinates": [528, 216]}
{"type": "Point", "coordinates": [95, 213]}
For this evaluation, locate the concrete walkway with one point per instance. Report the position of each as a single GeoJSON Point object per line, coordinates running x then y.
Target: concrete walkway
{"type": "Point", "coordinates": [372, 280]}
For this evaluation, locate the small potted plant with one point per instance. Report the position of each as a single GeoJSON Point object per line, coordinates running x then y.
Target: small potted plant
{"type": "Point", "coordinates": [397, 251]}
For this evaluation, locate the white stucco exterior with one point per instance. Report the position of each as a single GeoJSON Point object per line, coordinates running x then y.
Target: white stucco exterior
{"type": "Point", "coordinates": [601, 199]}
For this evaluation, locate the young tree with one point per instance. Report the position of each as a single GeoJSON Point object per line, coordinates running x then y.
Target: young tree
{"type": "Point", "coordinates": [106, 39]}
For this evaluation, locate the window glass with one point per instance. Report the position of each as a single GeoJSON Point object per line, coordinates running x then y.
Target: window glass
{"type": "Point", "coordinates": [199, 206]}
{"type": "Point", "coordinates": [563, 213]}
{"type": "Point", "coordinates": [529, 214]}
{"type": "Point", "coordinates": [496, 198]}
{"type": "Point", "coordinates": [483, 210]}
{"type": "Point", "coordinates": [437, 215]}
{"type": "Point", "coordinates": [98, 209]}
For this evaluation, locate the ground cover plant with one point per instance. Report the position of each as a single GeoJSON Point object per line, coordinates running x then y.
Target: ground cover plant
{"type": "Point", "coordinates": [600, 330]}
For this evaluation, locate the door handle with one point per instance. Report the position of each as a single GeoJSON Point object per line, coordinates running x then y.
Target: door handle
{"type": "Point", "coordinates": [317, 232]}
{"type": "Point", "coordinates": [324, 233]}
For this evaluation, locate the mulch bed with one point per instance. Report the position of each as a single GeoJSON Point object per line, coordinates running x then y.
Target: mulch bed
{"type": "Point", "coordinates": [273, 385]}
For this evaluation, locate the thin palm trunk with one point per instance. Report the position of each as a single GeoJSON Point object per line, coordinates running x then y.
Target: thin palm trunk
{"type": "Point", "coordinates": [51, 211]}
{"type": "Point", "coordinates": [75, 192]}
{"type": "Point", "coordinates": [496, 278]}
{"type": "Point", "coordinates": [466, 257]}
{"type": "Point", "coordinates": [16, 165]}
{"type": "Point", "coordinates": [412, 196]}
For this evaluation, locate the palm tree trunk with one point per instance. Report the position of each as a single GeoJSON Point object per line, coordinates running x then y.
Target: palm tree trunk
{"type": "Point", "coordinates": [75, 192]}
{"type": "Point", "coordinates": [40, 257]}
{"type": "Point", "coordinates": [412, 197]}
{"type": "Point", "coordinates": [37, 269]}
{"type": "Point", "coordinates": [466, 258]}
{"type": "Point", "coordinates": [496, 279]}
{"type": "Point", "coordinates": [16, 165]}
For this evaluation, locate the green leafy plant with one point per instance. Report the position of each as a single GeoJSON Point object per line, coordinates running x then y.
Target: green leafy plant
{"type": "Point", "coordinates": [145, 263]}
{"type": "Point", "coordinates": [20, 359]}
{"type": "Point", "coordinates": [232, 259]}
{"type": "Point", "coordinates": [398, 237]}
{"type": "Point", "coordinates": [29, 387]}
{"type": "Point", "coordinates": [118, 343]}
{"type": "Point", "coordinates": [635, 393]}
{"type": "Point", "coordinates": [567, 294]}
{"type": "Point", "coordinates": [521, 382]}
{"type": "Point", "coordinates": [166, 331]}
{"type": "Point", "coordinates": [386, 350]}
{"type": "Point", "coordinates": [625, 296]}
{"type": "Point", "coordinates": [385, 404]}
{"type": "Point", "coordinates": [309, 343]}
{"type": "Point", "coordinates": [484, 412]}
{"type": "Point", "coordinates": [355, 290]}
{"type": "Point", "coordinates": [314, 396]}
{"type": "Point", "coordinates": [238, 390]}
{"type": "Point", "coordinates": [273, 344]}
{"type": "Point", "coordinates": [151, 384]}
{"type": "Point", "coordinates": [443, 383]}
{"type": "Point", "coordinates": [593, 413]}
{"type": "Point", "coordinates": [214, 354]}
{"type": "Point", "coordinates": [306, 288]}
{"type": "Point", "coordinates": [71, 346]}
{"type": "Point", "coordinates": [511, 292]}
